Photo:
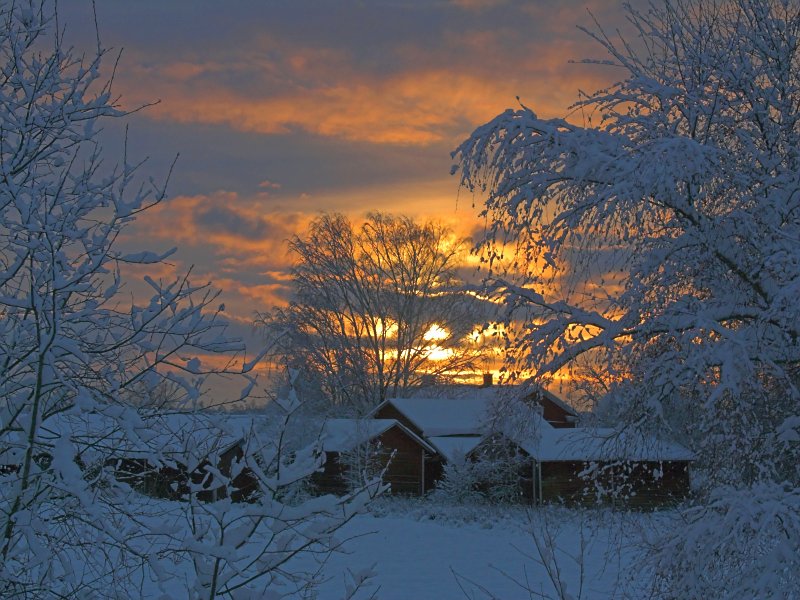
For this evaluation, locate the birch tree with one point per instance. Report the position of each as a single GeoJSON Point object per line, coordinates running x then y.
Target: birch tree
{"type": "Point", "coordinates": [375, 308]}
{"type": "Point", "coordinates": [661, 237]}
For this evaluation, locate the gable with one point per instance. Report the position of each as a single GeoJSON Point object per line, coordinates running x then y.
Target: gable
{"type": "Point", "coordinates": [554, 410]}
{"type": "Point", "coordinates": [343, 435]}
{"type": "Point", "coordinates": [438, 416]}
{"type": "Point", "coordinates": [386, 410]}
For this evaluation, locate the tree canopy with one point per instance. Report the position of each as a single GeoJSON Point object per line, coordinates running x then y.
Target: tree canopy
{"type": "Point", "coordinates": [76, 348]}
{"type": "Point", "coordinates": [375, 308]}
{"type": "Point", "coordinates": [661, 236]}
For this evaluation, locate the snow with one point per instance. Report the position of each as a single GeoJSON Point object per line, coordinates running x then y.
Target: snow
{"type": "Point", "coordinates": [446, 416]}
{"type": "Point", "coordinates": [342, 435]}
{"type": "Point", "coordinates": [419, 559]}
{"type": "Point", "coordinates": [590, 444]}
{"type": "Point", "coordinates": [424, 550]}
{"type": "Point", "coordinates": [455, 448]}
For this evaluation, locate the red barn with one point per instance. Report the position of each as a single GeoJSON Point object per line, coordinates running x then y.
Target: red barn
{"type": "Point", "coordinates": [358, 449]}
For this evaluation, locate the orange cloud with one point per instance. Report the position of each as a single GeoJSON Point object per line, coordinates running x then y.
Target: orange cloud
{"type": "Point", "coordinates": [242, 247]}
{"type": "Point", "coordinates": [409, 109]}
{"type": "Point", "coordinates": [322, 91]}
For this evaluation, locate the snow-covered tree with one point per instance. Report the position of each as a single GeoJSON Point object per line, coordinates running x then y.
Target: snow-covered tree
{"type": "Point", "coordinates": [275, 544]}
{"type": "Point", "coordinates": [71, 343]}
{"type": "Point", "coordinates": [89, 369]}
{"type": "Point", "coordinates": [374, 308]}
{"type": "Point", "coordinates": [490, 475]}
{"type": "Point", "coordinates": [661, 238]}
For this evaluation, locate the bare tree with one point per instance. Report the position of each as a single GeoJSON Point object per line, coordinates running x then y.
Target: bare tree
{"type": "Point", "coordinates": [375, 308]}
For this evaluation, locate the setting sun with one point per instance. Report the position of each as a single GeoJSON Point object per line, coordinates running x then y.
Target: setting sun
{"type": "Point", "coordinates": [436, 333]}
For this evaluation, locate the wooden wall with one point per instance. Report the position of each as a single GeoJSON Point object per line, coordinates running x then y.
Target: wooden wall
{"type": "Point", "coordinates": [405, 470]}
{"type": "Point", "coordinates": [404, 473]}
{"type": "Point", "coordinates": [633, 484]}
{"type": "Point", "coordinates": [390, 412]}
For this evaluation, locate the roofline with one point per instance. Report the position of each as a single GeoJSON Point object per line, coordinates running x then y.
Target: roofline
{"type": "Point", "coordinates": [689, 457]}
{"type": "Point", "coordinates": [411, 434]}
{"type": "Point", "coordinates": [556, 400]}
{"type": "Point", "coordinates": [466, 454]}
{"type": "Point", "coordinates": [377, 408]}
{"type": "Point", "coordinates": [398, 409]}
{"type": "Point", "coordinates": [414, 436]}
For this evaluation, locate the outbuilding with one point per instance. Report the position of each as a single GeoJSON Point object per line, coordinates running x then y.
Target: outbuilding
{"type": "Point", "coordinates": [359, 449]}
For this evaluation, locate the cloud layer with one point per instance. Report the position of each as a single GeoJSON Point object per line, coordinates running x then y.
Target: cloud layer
{"type": "Point", "coordinates": [281, 110]}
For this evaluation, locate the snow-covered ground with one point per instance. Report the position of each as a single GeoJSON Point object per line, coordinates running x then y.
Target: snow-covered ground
{"type": "Point", "coordinates": [427, 551]}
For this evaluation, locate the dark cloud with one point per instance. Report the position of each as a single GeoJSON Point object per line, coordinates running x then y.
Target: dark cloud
{"type": "Point", "coordinates": [349, 105]}
{"type": "Point", "coordinates": [221, 218]}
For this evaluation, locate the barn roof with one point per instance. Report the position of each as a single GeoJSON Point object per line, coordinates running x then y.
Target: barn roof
{"type": "Point", "coordinates": [457, 447]}
{"type": "Point", "coordinates": [602, 444]}
{"type": "Point", "coordinates": [444, 416]}
{"type": "Point", "coordinates": [145, 435]}
{"type": "Point", "coordinates": [341, 435]}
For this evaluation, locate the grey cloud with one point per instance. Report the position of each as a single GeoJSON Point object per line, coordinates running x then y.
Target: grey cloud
{"type": "Point", "coordinates": [215, 217]}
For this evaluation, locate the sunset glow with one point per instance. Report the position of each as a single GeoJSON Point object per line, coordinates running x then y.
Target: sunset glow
{"type": "Point", "coordinates": [279, 112]}
{"type": "Point", "coordinates": [436, 333]}
{"type": "Point", "coordinates": [300, 298]}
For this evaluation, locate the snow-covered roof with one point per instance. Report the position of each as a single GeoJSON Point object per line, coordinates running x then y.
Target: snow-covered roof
{"type": "Point", "coordinates": [596, 444]}
{"type": "Point", "coordinates": [194, 433]}
{"type": "Point", "coordinates": [557, 401]}
{"type": "Point", "coordinates": [455, 448]}
{"type": "Point", "coordinates": [445, 416]}
{"type": "Point", "coordinates": [463, 409]}
{"type": "Point", "coordinates": [341, 435]}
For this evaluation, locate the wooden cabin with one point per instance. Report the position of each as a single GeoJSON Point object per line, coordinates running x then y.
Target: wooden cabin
{"type": "Point", "coordinates": [451, 421]}
{"type": "Point", "coordinates": [174, 480]}
{"type": "Point", "coordinates": [585, 467]}
{"type": "Point", "coordinates": [164, 455]}
{"type": "Point", "coordinates": [636, 484]}
{"type": "Point", "coordinates": [554, 410]}
{"type": "Point", "coordinates": [358, 449]}
{"type": "Point", "coordinates": [557, 460]}
{"type": "Point", "coordinates": [590, 465]}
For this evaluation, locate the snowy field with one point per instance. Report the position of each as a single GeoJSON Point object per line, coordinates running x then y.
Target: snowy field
{"type": "Point", "coordinates": [422, 550]}
{"type": "Point", "coordinates": [428, 551]}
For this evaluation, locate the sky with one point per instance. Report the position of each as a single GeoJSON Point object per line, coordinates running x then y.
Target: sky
{"type": "Point", "coordinates": [278, 110]}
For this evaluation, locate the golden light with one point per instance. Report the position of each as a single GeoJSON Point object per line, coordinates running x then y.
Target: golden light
{"type": "Point", "coordinates": [436, 353]}
{"type": "Point", "coordinates": [383, 331]}
{"type": "Point", "coordinates": [436, 333]}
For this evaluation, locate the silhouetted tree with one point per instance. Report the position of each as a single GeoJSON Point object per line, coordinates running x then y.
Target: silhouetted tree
{"type": "Point", "coordinates": [376, 308]}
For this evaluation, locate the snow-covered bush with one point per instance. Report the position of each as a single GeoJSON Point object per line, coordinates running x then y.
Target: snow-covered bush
{"type": "Point", "coordinates": [459, 482]}
{"type": "Point", "coordinates": [364, 463]}
{"type": "Point", "coordinates": [489, 476]}
{"type": "Point", "coordinates": [742, 544]}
